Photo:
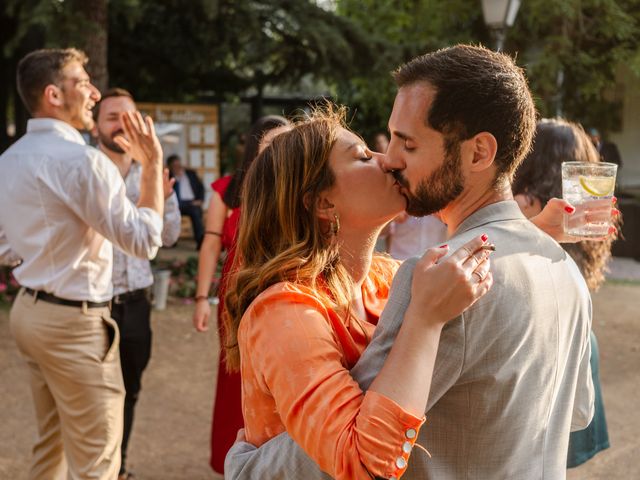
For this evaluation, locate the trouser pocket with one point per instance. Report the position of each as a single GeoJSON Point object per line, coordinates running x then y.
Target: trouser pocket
{"type": "Point", "coordinates": [113, 336]}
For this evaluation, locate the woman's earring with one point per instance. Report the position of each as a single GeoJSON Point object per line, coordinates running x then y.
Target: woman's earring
{"type": "Point", "coordinates": [335, 225]}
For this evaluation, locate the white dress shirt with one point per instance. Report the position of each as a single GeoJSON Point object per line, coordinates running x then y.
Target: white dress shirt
{"type": "Point", "coordinates": [413, 236]}
{"type": "Point", "coordinates": [132, 273]}
{"type": "Point", "coordinates": [62, 203]}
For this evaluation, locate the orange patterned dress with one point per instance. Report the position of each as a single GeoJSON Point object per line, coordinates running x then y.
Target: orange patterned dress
{"type": "Point", "coordinates": [296, 354]}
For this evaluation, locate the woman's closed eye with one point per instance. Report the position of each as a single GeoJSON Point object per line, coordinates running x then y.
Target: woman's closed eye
{"type": "Point", "coordinates": [365, 154]}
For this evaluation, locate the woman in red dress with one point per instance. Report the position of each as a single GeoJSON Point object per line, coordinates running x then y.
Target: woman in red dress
{"type": "Point", "coordinates": [220, 234]}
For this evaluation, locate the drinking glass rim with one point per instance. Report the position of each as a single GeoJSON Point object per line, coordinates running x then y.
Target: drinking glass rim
{"type": "Point", "coordinates": [590, 164]}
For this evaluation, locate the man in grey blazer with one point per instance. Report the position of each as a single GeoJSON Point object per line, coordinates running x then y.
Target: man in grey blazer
{"type": "Point", "coordinates": [512, 376]}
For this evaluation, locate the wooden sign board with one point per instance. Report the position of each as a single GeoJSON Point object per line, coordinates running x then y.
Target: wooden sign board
{"type": "Point", "coordinates": [192, 132]}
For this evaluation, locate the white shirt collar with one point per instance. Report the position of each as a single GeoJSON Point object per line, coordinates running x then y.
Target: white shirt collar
{"type": "Point", "coordinates": [57, 126]}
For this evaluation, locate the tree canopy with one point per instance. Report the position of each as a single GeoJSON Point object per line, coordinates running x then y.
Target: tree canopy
{"type": "Point", "coordinates": [571, 51]}
{"type": "Point", "coordinates": [176, 51]}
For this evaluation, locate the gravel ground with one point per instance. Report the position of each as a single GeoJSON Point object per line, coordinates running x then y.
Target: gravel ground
{"type": "Point", "coordinates": [170, 440]}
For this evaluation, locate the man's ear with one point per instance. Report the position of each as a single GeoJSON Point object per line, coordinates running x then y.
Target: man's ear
{"type": "Point", "coordinates": [53, 95]}
{"type": "Point", "coordinates": [484, 147]}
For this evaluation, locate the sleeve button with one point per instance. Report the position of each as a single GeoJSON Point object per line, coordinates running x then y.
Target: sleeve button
{"type": "Point", "coordinates": [401, 462]}
{"type": "Point", "coordinates": [411, 433]}
{"type": "Point", "coordinates": [406, 447]}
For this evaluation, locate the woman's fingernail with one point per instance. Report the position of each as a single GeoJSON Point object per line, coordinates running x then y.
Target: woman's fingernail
{"type": "Point", "coordinates": [613, 230]}
{"type": "Point", "coordinates": [569, 209]}
{"type": "Point", "coordinates": [484, 237]}
{"type": "Point", "coordinates": [444, 246]}
{"type": "Point", "coordinates": [614, 199]}
{"type": "Point", "coordinates": [615, 212]}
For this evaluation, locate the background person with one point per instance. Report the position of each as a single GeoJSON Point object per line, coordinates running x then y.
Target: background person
{"type": "Point", "coordinates": [538, 179]}
{"type": "Point", "coordinates": [608, 151]}
{"type": "Point", "coordinates": [190, 192]}
{"type": "Point", "coordinates": [132, 277]}
{"type": "Point", "coordinates": [62, 203]}
{"type": "Point", "coordinates": [222, 227]}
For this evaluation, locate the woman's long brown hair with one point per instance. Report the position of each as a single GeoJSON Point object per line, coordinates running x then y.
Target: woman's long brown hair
{"type": "Point", "coordinates": [539, 176]}
{"type": "Point", "coordinates": [281, 238]}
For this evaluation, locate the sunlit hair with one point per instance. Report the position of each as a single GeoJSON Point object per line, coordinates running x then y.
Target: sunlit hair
{"type": "Point", "coordinates": [540, 177]}
{"type": "Point", "coordinates": [281, 237]}
{"type": "Point", "coordinates": [41, 68]}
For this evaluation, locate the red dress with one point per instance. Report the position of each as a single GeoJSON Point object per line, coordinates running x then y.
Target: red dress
{"type": "Point", "coordinates": [227, 409]}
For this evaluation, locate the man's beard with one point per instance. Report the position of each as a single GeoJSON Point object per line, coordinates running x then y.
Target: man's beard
{"type": "Point", "coordinates": [108, 142]}
{"type": "Point", "coordinates": [438, 190]}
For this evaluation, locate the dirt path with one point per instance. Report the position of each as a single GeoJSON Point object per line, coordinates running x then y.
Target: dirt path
{"type": "Point", "coordinates": [170, 440]}
{"type": "Point", "coordinates": [171, 437]}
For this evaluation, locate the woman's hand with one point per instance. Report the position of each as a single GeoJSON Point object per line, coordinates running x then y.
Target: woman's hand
{"type": "Point", "coordinates": [443, 290]}
{"type": "Point", "coordinates": [551, 219]}
{"type": "Point", "coordinates": [201, 315]}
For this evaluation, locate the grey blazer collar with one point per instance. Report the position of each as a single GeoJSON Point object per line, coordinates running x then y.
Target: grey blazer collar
{"type": "Point", "coordinates": [496, 212]}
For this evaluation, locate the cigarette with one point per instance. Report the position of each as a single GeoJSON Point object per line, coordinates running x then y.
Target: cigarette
{"type": "Point", "coordinates": [488, 246]}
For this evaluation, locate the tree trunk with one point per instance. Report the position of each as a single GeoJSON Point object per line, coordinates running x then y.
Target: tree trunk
{"type": "Point", "coordinates": [256, 104]}
{"type": "Point", "coordinates": [96, 38]}
{"type": "Point", "coordinates": [7, 79]}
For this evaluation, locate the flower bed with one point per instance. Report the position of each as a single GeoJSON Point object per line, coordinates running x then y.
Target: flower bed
{"type": "Point", "coordinates": [8, 286]}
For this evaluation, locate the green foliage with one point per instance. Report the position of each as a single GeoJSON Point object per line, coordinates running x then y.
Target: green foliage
{"type": "Point", "coordinates": [58, 23]}
{"type": "Point", "coordinates": [177, 51]}
{"type": "Point", "coordinates": [570, 49]}
{"type": "Point", "coordinates": [401, 30]}
{"type": "Point", "coordinates": [224, 48]}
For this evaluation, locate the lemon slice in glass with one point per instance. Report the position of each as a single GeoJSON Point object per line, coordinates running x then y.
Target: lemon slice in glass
{"type": "Point", "coordinates": [598, 186]}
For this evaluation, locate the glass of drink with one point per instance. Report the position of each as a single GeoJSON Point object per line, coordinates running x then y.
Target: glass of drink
{"type": "Point", "coordinates": [588, 186]}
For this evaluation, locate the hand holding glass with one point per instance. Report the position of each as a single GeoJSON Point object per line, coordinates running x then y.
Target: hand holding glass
{"type": "Point", "coordinates": [589, 188]}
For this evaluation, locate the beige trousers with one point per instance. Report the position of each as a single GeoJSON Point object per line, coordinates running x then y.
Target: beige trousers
{"type": "Point", "coordinates": [77, 388]}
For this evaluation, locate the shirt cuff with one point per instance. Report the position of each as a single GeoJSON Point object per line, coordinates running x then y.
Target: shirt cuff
{"type": "Point", "coordinates": [387, 433]}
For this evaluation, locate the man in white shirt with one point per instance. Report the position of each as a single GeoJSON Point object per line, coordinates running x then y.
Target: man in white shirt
{"type": "Point", "coordinates": [132, 277]}
{"type": "Point", "coordinates": [62, 205]}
